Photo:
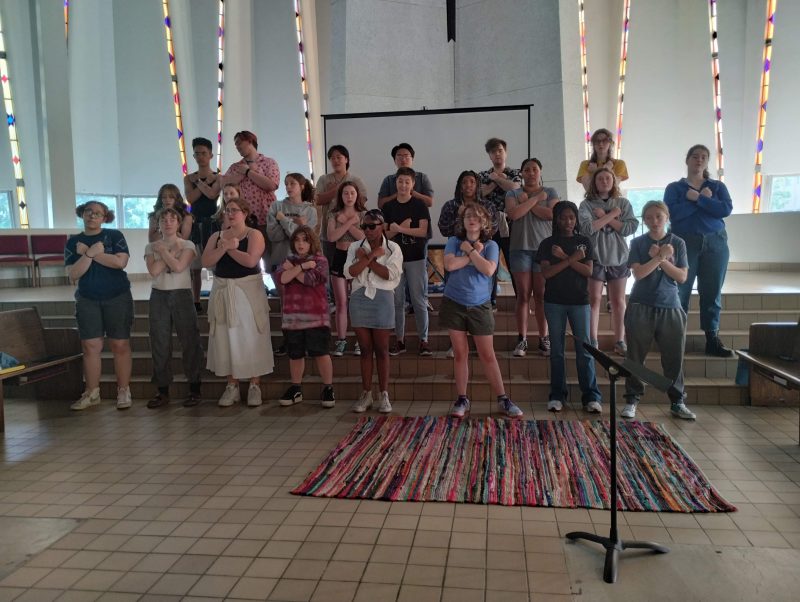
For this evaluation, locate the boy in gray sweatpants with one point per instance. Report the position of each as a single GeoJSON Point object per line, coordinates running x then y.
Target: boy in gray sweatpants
{"type": "Point", "coordinates": [659, 263]}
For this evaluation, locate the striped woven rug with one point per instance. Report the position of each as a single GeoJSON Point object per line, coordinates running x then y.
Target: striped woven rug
{"type": "Point", "coordinates": [512, 462]}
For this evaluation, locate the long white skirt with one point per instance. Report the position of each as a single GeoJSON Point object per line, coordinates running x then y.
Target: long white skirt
{"type": "Point", "coordinates": [241, 350]}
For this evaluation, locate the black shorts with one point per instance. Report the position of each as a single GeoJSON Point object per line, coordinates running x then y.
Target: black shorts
{"type": "Point", "coordinates": [315, 342]}
{"type": "Point", "coordinates": [337, 265]}
{"type": "Point", "coordinates": [110, 318]}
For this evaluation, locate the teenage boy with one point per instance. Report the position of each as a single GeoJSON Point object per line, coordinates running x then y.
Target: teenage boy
{"type": "Point", "coordinates": [495, 182]}
{"type": "Point", "coordinates": [407, 219]}
{"type": "Point", "coordinates": [201, 190]}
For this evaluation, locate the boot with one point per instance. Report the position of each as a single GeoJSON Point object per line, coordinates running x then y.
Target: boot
{"type": "Point", "coordinates": [715, 347]}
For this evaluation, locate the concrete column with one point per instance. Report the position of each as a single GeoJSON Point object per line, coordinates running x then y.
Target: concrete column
{"type": "Point", "coordinates": [239, 100]}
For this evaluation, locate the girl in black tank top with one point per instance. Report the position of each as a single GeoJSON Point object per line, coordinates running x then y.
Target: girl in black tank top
{"type": "Point", "coordinates": [227, 267]}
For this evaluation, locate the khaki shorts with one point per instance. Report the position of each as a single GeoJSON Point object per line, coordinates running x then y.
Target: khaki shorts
{"type": "Point", "coordinates": [477, 320]}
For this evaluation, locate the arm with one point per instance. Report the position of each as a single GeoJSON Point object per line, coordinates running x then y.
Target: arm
{"type": "Point", "coordinates": [179, 262]}
{"type": "Point", "coordinates": [453, 262]}
{"type": "Point", "coordinates": [545, 212]}
{"type": "Point", "coordinates": [185, 231]}
{"type": "Point", "coordinates": [255, 249]}
{"type": "Point", "coordinates": [364, 260]}
{"type": "Point", "coordinates": [79, 268]}
{"type": "Point", "coordinates": [421, 231]}
{"type": "Point", "coordinates": [719, 205]}
{"type": "Point", "coordinates": [423, 190]}
{"type": "Point", "coordinates": [627, 223]}
{"type": "Point", "coordinates": [152, 229]}
{"type": "Point", "coordinates": [155, 266]}
{"type": "Point", "coordinates": [337, 229]}
{"type": "Point", "coordinates": [324, 197]}
{"type": "Point", "coordinates": [680, 208]}
{"type": "Point", "coordinates": [276, 229]}
{"type": "Point", "coordinates": [270, 179]}
{"type": "Point", "coordinates": [482, 264]}
{"type": "Point", "coordinates": [214, 250]}
{"type": "Point", "coordinates": [517, 206]}
{"type": "Point", "coordinates": [117, 261]}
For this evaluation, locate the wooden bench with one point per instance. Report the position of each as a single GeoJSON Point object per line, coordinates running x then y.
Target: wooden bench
{"type": "Point", "coordinates": [45, 352]}
{"type": "Point", "coordinates": [774, 360]}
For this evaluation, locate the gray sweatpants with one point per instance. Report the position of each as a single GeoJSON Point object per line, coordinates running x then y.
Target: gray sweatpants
{"type": "Point", "coordinates": [643, 324]}
{"type": "Point", "coordinates": [168, 309]}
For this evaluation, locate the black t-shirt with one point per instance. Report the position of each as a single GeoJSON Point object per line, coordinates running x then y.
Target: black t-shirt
{"type": "Point", "coordinates": [395, 212]}
{"type": "Point", "coordinates": [99, 282]}
{"type": "Point", "coordinates": [567, 287]}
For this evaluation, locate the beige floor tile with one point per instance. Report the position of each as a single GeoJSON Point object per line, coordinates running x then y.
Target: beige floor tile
{"type": "Point", "coordinates": [252, 588]}
{"type": "Point", "coordinates": [464, 577]}
{"type": "Point", "coordinates": [505, 596]}
{"type": "Point", "coordinates": [395, 537]}
{"type": "Point", "coordinates": [427, 556]}
{"type": "Point", "coordinates": [457, 594]}
{"type": "Point", "coordinates": [98, 580]}
{"type": "Point", "coordinates": [174, 584]}
{"type": "Point", "coordinates": [213, 586]}
{"type": "Point", "coordinates": [340, 570]}
{"type": "Point", "coordinates": [513, 581]}
{"type": "Point", "coordinates": [766, 539]}
{"type": "Point", "coordinates": [135, 582]}
{"type": "Point", "coordinates": [365, 535]}
{"type": "Point", "coordinates": [267, 567]}
{"type": "Point", "coordinates": [419, 593]}
{"type": "Point", "coordinates": [371, 592]}
{"type": "Point", "coordinates": [316, 550]}
{"type": "Point", "coordinates": [120, 561]}
{"type": "Point", "coordinates": [353, 552]}
{"type": "Point", "coordinates": [280, 549]}
{"type": "Point", "coordinates": [469, 541]}
{"type": "Point", "coordinates": [193, 564]}
{"type": "Point", "coordinates": [383, 572]}
{"type": "Point", "coordinates": [293, 590]}
{"type": "Point", "coordinates": [725, 537]}
{"type": "Point", "coordinates": [61, 578]}
{"type": "Point", "coordinates": [343, 591]}
{"type": "Point", "coordinates": [427, 575]}
{"type": "Point", "coordinates": [25, 577]}
{"type": "Point", "coordinates": [305, 569]}
{"type": "Point", "coordinates": [232, 566]}
{"type": "Point", "coordinates": [691, 536]}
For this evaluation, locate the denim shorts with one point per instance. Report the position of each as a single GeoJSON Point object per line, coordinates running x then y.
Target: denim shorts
{"type": "Point", "coordinates": [524, 261]}
{"type": "Point", "coordinates": [605, 273]}
{"type": "Point", "coordinates": [477, 320]}
{"type": "Point", "coordinates": [315, 341]}
{"type": "Point", "coordinates": [112, 318]}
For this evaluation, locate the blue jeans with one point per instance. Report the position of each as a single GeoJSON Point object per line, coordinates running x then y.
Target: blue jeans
{"type": "Point", "coordinates": [415, 275]}
{"type": "Point", "coordinates": [708, 256]}
{"type": "Point", "coordinates": [578, 316]}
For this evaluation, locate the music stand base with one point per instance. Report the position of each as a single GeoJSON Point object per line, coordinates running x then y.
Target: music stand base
{"type": "Point", "coordinates": [613, 548]}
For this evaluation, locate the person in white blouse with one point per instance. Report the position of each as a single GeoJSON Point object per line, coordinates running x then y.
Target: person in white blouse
{"type": "Point", "coordinates": [374, 265]}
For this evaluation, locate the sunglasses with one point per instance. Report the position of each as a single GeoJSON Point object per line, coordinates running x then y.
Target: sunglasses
{"type": "Point", "coordinates": [370, 226]}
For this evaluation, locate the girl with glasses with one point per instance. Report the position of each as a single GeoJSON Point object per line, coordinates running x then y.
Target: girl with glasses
{"type": "Point", "coordinates": [239, 344]}
{"type": "Point", "coordinates": [373, 265]}
{"type": "Point", "coordinates": [602, 156]}
{"type": "Point", "coordinates": [96, 259]}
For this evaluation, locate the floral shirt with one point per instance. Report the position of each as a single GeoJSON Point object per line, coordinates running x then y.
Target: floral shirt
{"type": "Point", "coordinates": [260, 200]}
{"type": "Point", "coordinates": [498, 196]}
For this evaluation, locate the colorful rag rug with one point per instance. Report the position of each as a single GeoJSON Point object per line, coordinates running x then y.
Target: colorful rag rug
{"type": "Point", "coordinates": [512, 462]}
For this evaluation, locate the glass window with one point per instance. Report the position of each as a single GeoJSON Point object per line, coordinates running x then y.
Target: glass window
{"type": "Point", "coordinates": [135, 210]}
{"type": "Point", "coordinates": [6, 213]}
{"type": "Point", "coordinates": [784, 193]}
{"type": "Point", "coordinates": [638, 197]}
{"type": "Point", "coordinates": [108, 200]}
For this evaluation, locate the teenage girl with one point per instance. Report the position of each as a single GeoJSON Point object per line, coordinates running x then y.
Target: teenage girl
{"type": "Point", "coordinates": [602, 156]}
{"type": "Point", "coordinates": [169, 196]}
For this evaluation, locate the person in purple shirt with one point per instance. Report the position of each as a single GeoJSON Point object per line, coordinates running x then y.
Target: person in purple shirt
{"type": "Point", "coordinates": [698, 206]}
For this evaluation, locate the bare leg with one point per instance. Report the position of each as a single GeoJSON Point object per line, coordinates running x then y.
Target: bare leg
{"type": "Point", "coordinates": [91, 362]}
{"type": "Point", "coordinates": [485, 346]}
{"type": "Point", "coordinates": [364, 336]}
{"type": "Point", "coordinates": [123, 363]}
{"type": "Point", "coordinates": [296, 369]}
{"type": "Point", "coordinates": [340, 295]}
{"type": "Point", "coordinates": [458, 339]}
{"type": "Point", "coordinates": [616, 294]}
{"type": "Point", "coordinates": [325, 367]}
{"type": "Point", "coordinates": [595, 295]}
{"type": "Point", "coordinates": [380, 342]}
{"type": "Point", "coordinates": [538, 303]}
{"type": "Point", "coordinates": [522, 281]}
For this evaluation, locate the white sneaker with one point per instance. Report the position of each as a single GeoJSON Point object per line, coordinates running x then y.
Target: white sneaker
{"type": "Point", "coordinates": [123, 398]}
{"type": "Point", "coordinates": [364, 402]}
{"type": "Point", "coordinates": [357, 349]}
{"type": "Point", "coordinates": [594, 407]}
{"type": "Point", "coordinates": [230, 395]}
{"type": "Point", "coordinates": [450, 353]}
{"type": "Point", "coordinates": [521, 349]}
{"type": "Point", "coordinates": [554, 405]}
{"type": "Point", "coordinates": [254, 395]}
{"type": "Point", "coordinates": [88, 399]}
{"type": "Point", "coordinates": [629, 411]}
{"type": "Point", "coordinates": [384, 407]}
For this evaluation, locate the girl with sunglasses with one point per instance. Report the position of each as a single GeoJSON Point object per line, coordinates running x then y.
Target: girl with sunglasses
{"type": "Point", "coordinates": [374, 265]}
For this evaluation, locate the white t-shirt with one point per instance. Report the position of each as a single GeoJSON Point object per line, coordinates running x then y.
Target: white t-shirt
{"type": "Point", "coordinates": [169, 280]}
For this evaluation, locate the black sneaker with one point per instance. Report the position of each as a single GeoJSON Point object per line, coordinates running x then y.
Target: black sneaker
{"type": "Point", "coordinates": [328, 398]}
{"type": "Point", "coordinates": [191, 401]}
{"type": "Point", "coordinates": [398, 348]}
{"type": "Point", "coordinates": [292, 396]}
{"type": "Point", "coordinates": [198, 307]}
{"type": "Point", "coordinates": [715, 347]}
{"type": "Point", "coordinates": [544, 346]}
{"type": "Point", "coordinates": [161, 399]}
{"type": "Point", "coordinates": [281, 350]}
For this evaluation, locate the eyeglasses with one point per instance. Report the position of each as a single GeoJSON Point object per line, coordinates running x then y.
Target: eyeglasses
{"type": "Point", "coordinates": [90, 213]}
{"type": "Point", "coordinates": [602, 141]}
{"type": "Point", "coordinates": [231, 210]}
{"type": "Point", "coordinates": [370, 226]}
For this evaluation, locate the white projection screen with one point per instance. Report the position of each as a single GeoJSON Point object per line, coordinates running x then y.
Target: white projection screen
{"type": "Point", "coordinates": [446, 142]}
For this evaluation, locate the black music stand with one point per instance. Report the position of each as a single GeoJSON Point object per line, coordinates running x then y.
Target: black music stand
{"type": "Point", "coordinates": [613, 544]}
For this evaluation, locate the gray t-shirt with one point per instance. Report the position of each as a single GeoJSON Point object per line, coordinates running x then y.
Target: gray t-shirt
{"type": "Point", "coordinates": [325, 183]}
{"type": "Point", "coordinates": [656, 289]}
{"type": "Point", "coordinates": [529, 231]}
{"type": "Point", "coordinates": [280, 231]}
{"type": "Point", "coordinates": [610, 246]}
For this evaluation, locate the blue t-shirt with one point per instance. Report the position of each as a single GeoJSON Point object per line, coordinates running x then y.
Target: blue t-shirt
{"type": "Point", "coordinates": [99, 282]}
{"type": "Point", "coordinates": [468, 286]}
{"type": "Point", "coordinates": [656, 289]}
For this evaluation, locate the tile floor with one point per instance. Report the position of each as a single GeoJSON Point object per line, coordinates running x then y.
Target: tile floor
{"type": "Point", "coordinates": [195, 505]}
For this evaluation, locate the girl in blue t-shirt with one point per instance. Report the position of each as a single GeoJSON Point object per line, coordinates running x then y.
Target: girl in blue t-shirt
{"type": "Point", "coordinates": [471, 259]}
{"type": "Point", "coordinates": [96, 260]}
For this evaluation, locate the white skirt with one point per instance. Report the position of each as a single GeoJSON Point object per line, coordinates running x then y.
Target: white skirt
{"type": "Point", "coordinates": [241, 350]}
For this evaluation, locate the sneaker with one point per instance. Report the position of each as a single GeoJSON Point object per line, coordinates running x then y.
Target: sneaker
{"type": "Point", "coordinates": [425, 349]}
{"type": "Point", "coordinates": [281, 350]}
{"type": "Point", "coordinates": [594, 343]}
{"type": "Point", "coordinates": [594, 407]}
{"type": "Point", "coordinates": [331, 307]}
{"type": "Point", "coordinates": [193, 400]}
{"type": "Point", "coordinates": [428, 304]}
{"type": "Point", "coordinates": [521, 349]}
{"type": "Point", "coordinates": [123, 398]}
{"type": "Point", "coordinates": [715, 347]}
{"type": "Point", "coordinates": [328, 398]}
{"type": "Point", "coordinates": [292, 396]}
{"type": "Point", "coordinates": [230, 395]}
{"type": "Point", "coordinates": [508, 407]}
{"type": "Point", "coordinates": [254, 395]}
{"type": "Point", "coordinates": [629, 411]}
{"type": "Point", "coordinates": [460, 407]}
{"type": "Point", "coordinates": [198, 307]}
{"type": "Point", "coordinates": [554, 405]}
{"type": "Point", "coordinates": [620, 348]}
{"type": "Point", "coordinates": [679, 410]}
{"type": "Point", "coordinates": [357, 349]}
{"type": "Point", "coordinates": [450, 353]}
{"type": "Point", "coordinates": [161, 399]}
{"type": "Point", "coordinates": [88, 399]}
{"type": "Point", "coordinates": [494, 307]}
{"type": "Point", "coordinates": [364, 402]}
{"type": "Point", "coordinates": [398, 348]}
{"type": "Point", "coordinates": [384, 406]}
{"type": "Point", "coordinates": [341, 346]}
{"type": "Point", "coordinates": [544, 346]}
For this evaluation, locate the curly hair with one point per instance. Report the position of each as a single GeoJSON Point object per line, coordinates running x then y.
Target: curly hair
{"type": "Point", "coordinates": [560, 208]}
{"type": "Point", "coordinates": [180, 203]}
{"type": "Point", "coordinates": [482, 213]}
{"type": "Point", "coordinates": [109, 213]}
{"type": "Point", "coordinates": [311, 237]}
